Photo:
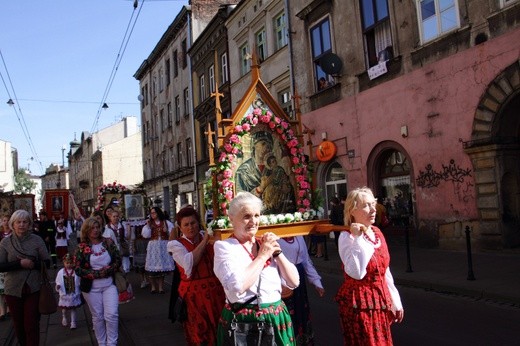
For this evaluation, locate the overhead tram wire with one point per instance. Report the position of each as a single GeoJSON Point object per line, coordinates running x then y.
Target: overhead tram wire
{"type": "Point", "coordinates": [19, 113]}
{"type": "Point", "coordinates": [126, 38]}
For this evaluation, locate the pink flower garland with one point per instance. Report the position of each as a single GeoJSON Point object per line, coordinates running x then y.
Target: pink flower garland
{"type": "Point", "coordinates": [107, 188]}
{"type": "Point", "coordinates": [227, 160]}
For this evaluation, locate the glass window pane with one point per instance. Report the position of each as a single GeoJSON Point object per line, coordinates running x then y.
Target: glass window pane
{"type": "Point", "coordinates": [325, 33]}
{"type": "Point", "coordinates": [445, 4]}
{"type": "Point", "coordinates": [367, 8]}
{"type": "Point", "coordinates": [427, 9]}
{"type": "Point", "coordinates": [430, 28]}
{"type": "Point", "coordinates": [381, 9]}
{"type": "Point", "coordinates": [448, 19]}
{"type": "Point", "coordinates": [316, 42]}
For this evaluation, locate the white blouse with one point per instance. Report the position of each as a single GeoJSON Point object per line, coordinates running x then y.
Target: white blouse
{"type": "Point", "coordinates": [355, 253]}
{"type": "Point", "coordinates": [147, 231]}
{"type": "Point", "coordinates": [181, 255]}
{"type": "Point", "coordinates": [231, 260]}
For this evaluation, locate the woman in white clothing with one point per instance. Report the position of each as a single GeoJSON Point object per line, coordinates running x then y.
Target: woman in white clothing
{"type": "Point", "coordinates": [97, 260]}
{"type": "Point", "coordinates": [368, 299]}
{"type": "Point", "coordinates": [253, 270]}
{"type": "Point", "coordinates": [158, 260]}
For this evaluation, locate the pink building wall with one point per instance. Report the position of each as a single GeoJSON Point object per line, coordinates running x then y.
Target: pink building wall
{"type": "Point", "coordinates": [437, 103]}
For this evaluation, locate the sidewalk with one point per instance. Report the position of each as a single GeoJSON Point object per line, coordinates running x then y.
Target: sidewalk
{"type": "Point", "coordinates": [144, 321]}
{"type": "Point", "coordinates": [496, 274]}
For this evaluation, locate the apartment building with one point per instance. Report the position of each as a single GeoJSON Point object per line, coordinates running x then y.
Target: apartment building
{"type": "Point", "coordinates": [210, 72]}
{"type": "Point", "coordinates": [420, 99]}
{"type": "Point", "coordinates": [8, 163]}
{"type": "Point", "coordinates": [108, 155]}
{"type": "Point", "coordinates": [260, 25]}
{"type": "Point", "coordinates": [167, 109]}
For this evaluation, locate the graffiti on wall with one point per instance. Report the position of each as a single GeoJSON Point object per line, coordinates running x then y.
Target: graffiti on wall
{"type": "Point", "coordinates": [451, 172]}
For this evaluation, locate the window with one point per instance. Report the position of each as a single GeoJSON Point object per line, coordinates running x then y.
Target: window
{"type": "Point", "coordinates": [280, 30]}
{"type": "Point", "coordinates": [202, 88]}
{"type": "Point", "coordinates": [143, 97]}
{"type": "Point", "coordinates": [154, 86]}
{"type": "Point", "coordinates": [162, 118]}
{"type": "Point", "coordinates": [189, 153]}
{"type": "Point", "coordinates": [437, 17]}
{"type": "Point", "coordinates": [211, 73]}
{"type": "Point", "coordinates": [261, 45]}
{"type": "Point", "coordinates": [321, 45]}
{"type": "Point", "coordinates": [175, 64]}
{"type": "Point", "coordinates": [505, 3]}
{"type": "Point", "coordinates": [177, 109]}
{"type": "Point", "coordinates": [171, 158]}
{"type": "Point", "coordinates": [244, 59]}
{"type": "Point", "coordinates": [225, 72]}
{"type": "Point", "coordinates": [170, 114]}
{"type": "Point", "coordinates": [163, 162]}
{"type": "Point", "coordinates": [186, 102]}
{"type": "Point", "coordinates": [376, 31]}
{"type": "Point", "coordinates": [168, 72]}
{"type": "Point", "coordinates": [284, 99]}
{"type": "Point", "coordinates": [203, 142]}
{"type": "Point", "coordinates": [145, 94]}
{"type": "Point", "coordinates": [161, 80]}
{"type": "Point", "coordinates": [184, 47]}
{"type": "Point", "coordinates": [179, 155]}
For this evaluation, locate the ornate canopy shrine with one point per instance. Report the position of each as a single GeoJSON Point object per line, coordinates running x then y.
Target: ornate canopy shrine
{"type": "Point", "coordinates": [260, 150]}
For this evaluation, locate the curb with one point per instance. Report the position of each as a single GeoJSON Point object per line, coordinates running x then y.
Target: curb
{"type": "Point", "coordinates": [477, 294]}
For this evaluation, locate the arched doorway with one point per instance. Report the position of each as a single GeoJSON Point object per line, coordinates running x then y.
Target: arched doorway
{"type": "Point", "coordinates": [392, 182]}
{"type": "Point", "coordinates": [494, 150]}
{"type": "Point", "coordinates": [335, 182]}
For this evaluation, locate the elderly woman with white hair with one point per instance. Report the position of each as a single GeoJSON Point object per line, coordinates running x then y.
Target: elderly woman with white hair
{"type": "Point", "coordinates": [252, 271]}
{"type": "Point", "coordinates": [21, 257]}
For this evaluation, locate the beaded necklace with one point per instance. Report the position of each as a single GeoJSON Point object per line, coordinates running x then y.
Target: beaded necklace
{"type": "Point", "coordinates": [374, 242]}
{"type": "Point", "coordinates": [267, 263]}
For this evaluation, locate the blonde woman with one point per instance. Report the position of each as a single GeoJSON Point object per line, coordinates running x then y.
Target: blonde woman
{"type": "Point", "coordinates": [368, 299]}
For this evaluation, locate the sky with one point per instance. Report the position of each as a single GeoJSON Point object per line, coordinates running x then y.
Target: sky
{"type": "Point", "coordinates": [58, 64]}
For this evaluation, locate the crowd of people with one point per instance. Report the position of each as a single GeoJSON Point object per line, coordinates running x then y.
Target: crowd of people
{"type": "Point", "coordinates": [244, 278]}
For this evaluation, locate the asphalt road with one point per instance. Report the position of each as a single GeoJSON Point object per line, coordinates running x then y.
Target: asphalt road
{"type": "Point", "coordinates": [431, 318]}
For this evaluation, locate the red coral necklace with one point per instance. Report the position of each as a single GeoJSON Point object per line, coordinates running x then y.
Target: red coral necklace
{"type": "Point", "coordinates": [267, 263]}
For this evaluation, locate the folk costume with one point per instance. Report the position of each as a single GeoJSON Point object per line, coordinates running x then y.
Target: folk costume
{"type": "Point", "coordinates": [231, 258]}
{"type": "Point", "coordinates": [119, 236]}
{"type": "Point", "coordinates": [295, 250]}
{"type": "Point", "coordinates": [158, 261]}
{"type": "Point", "coordinates": [96, 265]}
{"type": "Point", "coordinates": [200, 289]}
{"type": "Point", "coordinates": [368, 296]}
{"type": "Point", "coordinates": [67, 286]}
{"type": "Point", "coordinates": [62, 238]}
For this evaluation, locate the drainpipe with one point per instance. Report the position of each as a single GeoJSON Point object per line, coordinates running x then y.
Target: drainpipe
{"type": "Point", "coordinates": [289, 43]}
{"type": "Point", "coordinates": [192, 120]}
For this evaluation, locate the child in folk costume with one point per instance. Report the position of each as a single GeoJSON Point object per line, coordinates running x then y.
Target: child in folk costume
{"type": "Point", "coordinates": [67, 285]}
{"type": "Point", "coordinates": [62, 238]}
